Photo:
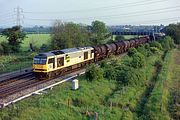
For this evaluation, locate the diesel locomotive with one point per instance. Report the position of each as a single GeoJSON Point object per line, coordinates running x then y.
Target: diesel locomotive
{"type": "Point", "coordinates": [58, 62]}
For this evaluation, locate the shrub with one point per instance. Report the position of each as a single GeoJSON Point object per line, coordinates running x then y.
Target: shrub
{"type": "Point", "coordinates": [147, 46]}
{"type": "Point", "coordinates": [138, 60]}
{"type": "Point", "coordinates": [94, 72]}
{"type": "Point", "coordinates": [132, 51]}
{"type": "Point", "coordinates": [154, 50]}
{"type": "Point", "coordinates": [143, 50]}
{"type": "Point", "coordinates": [156, 44]}
{"type": "Point", "coordinates": [6, 47]}
{"type": "Point", "coordinates": [129, 76]}
{"type": "Point", "coordinates": [167, 43]}
{"type": "Point", "coordinates": [110, 73]}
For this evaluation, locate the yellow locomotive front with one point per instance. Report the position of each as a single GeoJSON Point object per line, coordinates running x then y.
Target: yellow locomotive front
{"type": "Point", "coordinates": [43, 64]}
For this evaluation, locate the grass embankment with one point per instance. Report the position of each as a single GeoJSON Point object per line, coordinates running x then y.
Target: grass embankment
{"type": "Point", "coordinates": [174, 89]}
{"type": "Point", "coordinates": [157, 103]}
{"type": "Point", "coordinates": [104, 99]}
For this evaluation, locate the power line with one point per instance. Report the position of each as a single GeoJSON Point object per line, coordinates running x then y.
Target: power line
{"type": "Point", "coordinates": [157, 20]}
{"type": "Point", "coordinates": [132, 14]}
{"type": "Point", "coordinates": [140, 3]}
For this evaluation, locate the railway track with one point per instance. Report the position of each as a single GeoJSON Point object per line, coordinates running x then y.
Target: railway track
{"type": "Point", "coordinates": [22, 82]}
{"type": "Point", "coordinates": [30, 86]}
{"type": "Point", "coordinates": [15, 79]}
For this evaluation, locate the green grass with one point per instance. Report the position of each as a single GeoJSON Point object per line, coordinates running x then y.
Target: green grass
{"type": "Point", "coordinates": [173, 106]}
{"type": "Point", "coordinates": [36, 39]}
{"type": "Point", "coordinates": [10, 63]}
{"type": "Point", "coordinates": [130, 36]}
{"type": "Point", "coordinates": [54, 105]}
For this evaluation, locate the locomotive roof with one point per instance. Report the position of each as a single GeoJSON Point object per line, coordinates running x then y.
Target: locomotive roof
{"type": "Point", "coordinates": [69, 50]}
{"type": "Point", "coordinates": [44, 55]}
{"type": "Point", "coordinates": [63, 51]}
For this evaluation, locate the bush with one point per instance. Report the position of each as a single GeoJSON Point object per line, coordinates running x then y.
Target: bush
{"type": "Point", "coordinates": [94, 72]}
{"type": "Point", "coordinates": [129, 76]}
{"type": "Point", "coordinates": [143, 50]}
{"type": "Point", "coordinates": [156, 44]}
{"type": "Point", "coordinates": [138, 60]}
{"type": "Point", "coordinates": [6, 48]}
{"type": "Point", "coordinates": [154, 50]}
{"type": "Point", "coordinates": [167, 43]}
{"type": "Point", "coordinates": [132, 51]}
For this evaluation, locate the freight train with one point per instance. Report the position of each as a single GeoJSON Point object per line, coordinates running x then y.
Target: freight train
{"type": "Point", "coordinates": [58, 62]}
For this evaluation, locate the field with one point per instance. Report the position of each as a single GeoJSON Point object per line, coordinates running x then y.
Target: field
{"type": "Point", "coordinates": [36, 39]}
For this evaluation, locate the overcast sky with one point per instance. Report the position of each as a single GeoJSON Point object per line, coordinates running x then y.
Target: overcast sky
{"type": "Point", "coordinates": [112, 12]}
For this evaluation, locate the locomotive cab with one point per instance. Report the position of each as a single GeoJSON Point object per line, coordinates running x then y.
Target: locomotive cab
{"type": "Point", "coordinates": [42, 63]}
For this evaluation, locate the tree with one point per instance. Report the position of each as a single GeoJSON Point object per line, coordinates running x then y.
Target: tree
{"type": "Point", "coordinates": [15, 37]}
{"type": "Point", "coordinates": [173, 30]}
{"type": "Point", "coordinates": [99, 29]}
{"type": "Point", "coordinates": [66, 35]}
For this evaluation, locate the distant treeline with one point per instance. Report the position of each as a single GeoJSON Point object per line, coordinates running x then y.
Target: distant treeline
{"type": "Point", "coordinates": [37, 30]}
{"type": "Point", "coordinates": [121, 28]}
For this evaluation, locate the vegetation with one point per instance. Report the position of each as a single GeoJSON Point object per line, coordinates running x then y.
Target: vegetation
{"type": "Point", "coordinates": [15, 37]}
{"type": "Point", "coordinates": [173, 86]}
{"type": "Point", "coordinates": [94, 73]}
{"type": "Point", "coordinates": [173, 30]}
{"type": "Point", "coordinates": [167, 43]}
{"type": "Point", "coordinates": [67, 35]}
{"type": "Point", "coordinates": [99, 31]}
{"type": "Point", "coordinates": [114, 89]}
{"type": "Point", "coordinates": [13, 62]}
{"type": "Point", "coordinates": [119, 37]}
